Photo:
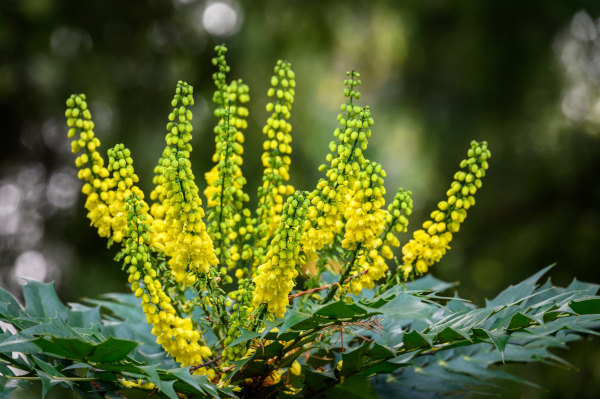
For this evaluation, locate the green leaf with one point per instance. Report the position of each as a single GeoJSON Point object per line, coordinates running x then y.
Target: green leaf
{"type": "Point", "coordinates": [520, 320]}
{"type": "Point", "coordinates": [292, 319]}
{"type": "Point", "coordinates": [353, 360]}
{"type": "Point", "coordinates": [246, 335]}
{"type": "Point", "coordinates": [587, 306]}
{"type": "Point", "coordinates": [354, 387]}
{"type": "Point", "coordinates": [268, 351]}
{"type": "Point", "coordinates": [316, 381]}
{"type": "Point", "coordinates": [112, 350]}
{"type": "Point", "coordinates": [49, 382]}
{"type": "Point", "coordinates": [199, 382]}
{"type": "Point", "coordinates": [342, 310]}
{"type": "Point", "coordinates": [416, 340]}
{"type": "Point", "coordinates": [10, 309]}
{"type": "Point", "coordinates": [8, 385]}
{"type": "Point", "coordinates": [121, 367]}
{"type": "Point", "coordinates": [17, 343]}
{"type": "Point", "coordinates": [428, 283]}
{"type": "Point", "coordinates": [270, 325]}
{"type": "Point", "coordinates": [517, 292]}
{"type": "Point", "coordinates": [586, 289]}
{"type": "Point", "coordinates": [54, 326]}
{"type": "Point", "coordinates": [126, 310]}
{"type": "Point", "coordinates": [381, 352]}
{"type": "Point", "coordinates": [47, 367]}
{"type": "Point", "coordinates": [239, 364]}
{"type": "Point", "coordinates": [380, 300]}
{"type": "Point", "coordinates": [84, 316]}
{"type": "Point", "coordinates": [450, 334]}
{"type": "Point", "coordinates": [165, 387]}
{"type": "Point", "coordinates": [499, 338]}
{"type": "Point", "coordinates": [70, 348]}
{"type": "Point", "coordinates": [41, 300]}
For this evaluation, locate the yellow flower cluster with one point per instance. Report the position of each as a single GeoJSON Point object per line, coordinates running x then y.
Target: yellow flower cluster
{"type": "Point", "coordinates": [365, 221]}
{"type": "Point", "coordinates": [371, 267]}
{"type": "Point", "coordinates": [430, 244]}
{"type": "Point", "coordinates": [329, 199]}
{"type": "Point", "coordinates": [120, 164]}
{"type": "Point", "coordinates": [396, 221]}
{"type": "Point", "coordinates": [371, 263]}
{"type": "Point", "coordinates": [90, 163]}
{"type": "Point", "coordinates": [230, 112]}
{"type": "Point", "coordinates": [275, 158]}
{"type": "Point", "coordinates": [105, 187]}
{"type": "Point", "coordinates": [228, 222]}
{"type": "Point", "coordinates": [342, 225]}
{"type": "Point", "coordinates": [365, 218]}
{"type": "Point", "coordinates": [136, 384]}
{"type": "Point", "coordinates": [275, 277]}
{"type": "Point", "coordinates": [178, 228]}
{"type": "Point", "coordinates": [175, 334]}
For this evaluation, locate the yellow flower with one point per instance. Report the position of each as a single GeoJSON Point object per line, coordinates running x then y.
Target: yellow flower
{"type": "Point", "coordinates": [275, 277]}
{"type": "Point", "coordinates": [175, 334]}
{"type": "Point", "coordinates": [430, 244]}
{"type": "Point", "coordinates": [296, 369]}
{"type": "Point", "coordinates": [177, 227]}
{"type": "Point", "coordinates": [275, 158]}
{"type": "Point", "coordinates": [225, 182]}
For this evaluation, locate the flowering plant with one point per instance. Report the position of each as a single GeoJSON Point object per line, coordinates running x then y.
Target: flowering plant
{"type": "Point", "coordinates": [304, 296]}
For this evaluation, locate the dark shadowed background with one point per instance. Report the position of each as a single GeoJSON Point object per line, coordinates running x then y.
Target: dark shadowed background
{"type": "Point", "coordinates": [525, 76]}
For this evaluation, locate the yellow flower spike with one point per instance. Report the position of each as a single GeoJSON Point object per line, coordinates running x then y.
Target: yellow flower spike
{"type": "Point", "coordinates": [275, 158]}
{"type": "Point", "coordinates": [275, 277]}
{"type": "Point", "coordinates": [120, 166]}
{"type": "Point", "coordinates": [225, 182]}
{"type": "Point", "coordinates": [429, 245]}
{"type": "Point", "coordinates": [396, 221]}
{"type": "Point", "coordinates": [330, 198]}
{"type": "Point", "coordinates": [177, 227]}
{"type": "Point", "coordinates": [174, 333]}
{"type": "Point", "coordinates": [90, 164]}
{"type": "Point", "coordinates": [365, 222]}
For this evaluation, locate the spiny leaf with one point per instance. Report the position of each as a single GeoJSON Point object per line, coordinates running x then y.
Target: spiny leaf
{"type": "Point", "coordinates": [10, 309]}
{"type": "Point", "coordinates": [587, 306]}
{"type": "Point", "coordinates": [41, 300]}
{"type": "Point", "coordinates": [245, 336]}
{"type": "Point", "coordinates": [341, 310]}
{"type": "Point", "coordinates": [429, 283]}
{"type": "Point", "coordinates": [70, 348]}
{"type": "Point", "coordinates": [520, 320]}
{"type": "Point", "coordinates": [165, 387]}
{"type": "Point", "coordinates": [353, 360]}
{"type": "Point", "coordinates": [519, 291]}
{"type": "Point", "coordinates": [499, 338]}
{"type": "Point", "coordinates": [292, 319]}
{"type": "Point", "coordinates": [199, 382]}
{"type": "Point", "coordinates": [416, 340]}
{"type": "Point", "coordinates": [449, 334]}
{"type": "Point", "coordinates": [17, 343]}
{"type": "Point", "coordinates": [112, 350]}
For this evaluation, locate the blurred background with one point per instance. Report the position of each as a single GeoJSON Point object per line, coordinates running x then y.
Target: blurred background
{"type": "Point", "coordinates": [525, 76]}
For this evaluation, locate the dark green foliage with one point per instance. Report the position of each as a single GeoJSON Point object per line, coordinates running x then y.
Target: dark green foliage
{"type": "Point", "coordinates": [406, 342]}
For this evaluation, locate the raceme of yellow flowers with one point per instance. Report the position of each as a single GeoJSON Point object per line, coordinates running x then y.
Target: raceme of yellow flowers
{"type": "Point", "coordinates": [242, 265]}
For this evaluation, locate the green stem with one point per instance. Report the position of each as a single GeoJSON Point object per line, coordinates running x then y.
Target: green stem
{"type": "Point", "coordinates": [343, 276]}
{"type": "Point", "coordinates": [223, 169]}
